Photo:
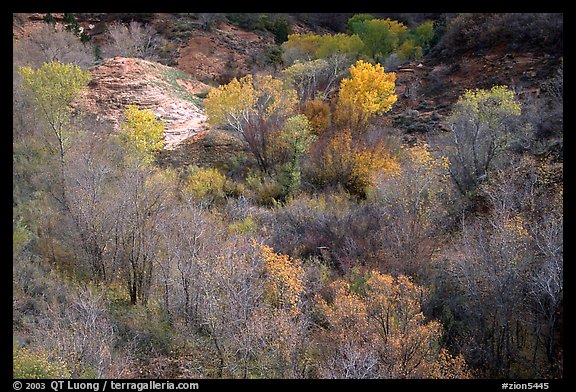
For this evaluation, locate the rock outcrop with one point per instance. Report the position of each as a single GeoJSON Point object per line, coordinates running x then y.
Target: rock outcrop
{"type": "Point", "coordinates": [168, 92]}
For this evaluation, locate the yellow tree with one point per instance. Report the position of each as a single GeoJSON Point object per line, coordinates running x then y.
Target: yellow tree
{"type": "Point", "coordinates": [254, 107]}
{"type": "Point", "coordinates": [369, 91]}
{"type": "Point", "coordinates": [52, 88]}
{"type": "Point", "coordinates": [142, 132]}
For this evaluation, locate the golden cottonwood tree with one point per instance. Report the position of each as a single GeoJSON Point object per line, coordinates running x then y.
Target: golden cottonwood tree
{"type": "Point", "coordinates": [369, 91]}
{"type": "Point", "coordinates": [52, 88]}
{"type": "Point", "coordinates": [142, 132]}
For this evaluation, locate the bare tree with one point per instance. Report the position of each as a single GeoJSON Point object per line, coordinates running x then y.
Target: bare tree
{"type": "Point", "coordinates": [480, 123]}
{"type": "Point", "coordinates": [132, 40]}
{"type": "Point", "coordinates": [509, 266]}
{"type": "Point", "coordinates": [52, 44]}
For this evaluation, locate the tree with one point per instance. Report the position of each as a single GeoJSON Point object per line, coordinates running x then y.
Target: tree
{"type": "Point", "coordinates": [296, 138]}
{"type": "Point", "coordinates": [142, 197]}
{"type": "Point", "coordinates": [355, 22]}
{"type": "Point", "coordinates": [423, 34]}
{"type": "Point", "coordinates": [310, 46]}
{"type": "Point", "coordinates": [507, 264]}
{"type": "Point", "coordinates": [381, 37]}
{"type": "Point", "coordinates": [52, 89]}
{"type": "Point", "coordinates": [369, 91]}
{"type": "Point", "coordinates": [141, 132]}
{"type": "Point", "coordinates": [284, 281]}
{"type": "Point", "coordinates": [481, 122]}
{"type": "Point", "coordinates": [410, 203]}
{"type": "Point", "coordinates": [380, 333]}
{"type": "Point", "coordinates": [132, 40]}
{"type": "Point", "coordinates": [255, 108]}
{"type": "Point", "coordinates": [48, 44]}
{"type": "Point", "coordinates": [92, 172]}
{"type": "Point", "coordinates": [316, 78]}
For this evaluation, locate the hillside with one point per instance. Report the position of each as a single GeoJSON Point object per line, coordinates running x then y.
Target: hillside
{"type": "Point", "coordinates": [169, 93]}
{"type": "Point", "coordinates": [288, 196]}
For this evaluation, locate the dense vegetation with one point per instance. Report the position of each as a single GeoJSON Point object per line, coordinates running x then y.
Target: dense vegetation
{"type": "Point", "coordinates": [331, 249]}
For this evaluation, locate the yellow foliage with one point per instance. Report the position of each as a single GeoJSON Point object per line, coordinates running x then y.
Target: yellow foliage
{"type": "Point", "coordinates": [248, 98]}
{"type": "Point", "coordinates": [449, 366]}
{"type": "Point", "coordinates": [142, 132]}
{"type": "Point", "coordinates": [354, 165]}
{"type": "Point", "coordinates": [204, 183]}
{"type": "Point", "coordinates": [229, 102]}
{"type": "Point", "coordinates": [29, 364]}
{"type": "Point", "coordinates": [370, 91]}
{"type": "Point", "coordinates": [284, 283]}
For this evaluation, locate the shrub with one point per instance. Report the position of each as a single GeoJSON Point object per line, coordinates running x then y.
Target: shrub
{"type": "Point", "coordinates": [352, 165]}
{"type": "Point", "coordinates": [29, 364]}
{"type": "Point", "coordinates": [318, 113]}
{"type": "Point", "coordinates": [207, 184]}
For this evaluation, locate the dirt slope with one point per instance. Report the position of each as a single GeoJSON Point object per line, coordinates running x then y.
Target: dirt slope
{"type": "Point", "coordinates": [219, 55]}
{"type": "Point", "coordinates": [167, 92]}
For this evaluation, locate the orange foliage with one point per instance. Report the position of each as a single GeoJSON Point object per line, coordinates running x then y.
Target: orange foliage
{"type": "Point", "coordinates": [318, 113]}
{"type": "Point", "coordinates": [353, 165]}
{"type": "Point", "coordinates": [387, 329]}
{"type": "Point", "coordinates": [284, 283]}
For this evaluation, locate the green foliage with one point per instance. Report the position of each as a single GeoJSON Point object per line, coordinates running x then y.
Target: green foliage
{"type": "Point", "coordinates": [145, 328]}
{"type": "Point", "coordinates": [141, 132]}
{"type": "Point", "coordinates": [29, 364]}
{"type": "Point", "coordinates": [358, 280]}
{"type": "Point", "coordinates": [487, 108]}
{"type": "Point", "coordinates": [21, 235]}
{"type": "Point", "coordinates": [423, 34]}
{"type": "Point", "coordinates": [332, 44]}
{"type": "Point", "coordinates": [310, 46]}
{"type": "Point", "coordinates": [70, 23]}
{"type": "Point", "coordinates": [355, 23]}
{"type": "Point", "coordinates": [382, 36]}
{"type": "Point", "coordinates": [48, 18]}
{"type": "Point", "coordinates": [281, 28]}
{"type": "Point", "coordinates": [296, 139]}
{"type": "Point", "coordinates": [244, 226]}
{"type": "Point", "coordinates": [408, 50]}
{"type": "Point", "coordinates": [267, 191]}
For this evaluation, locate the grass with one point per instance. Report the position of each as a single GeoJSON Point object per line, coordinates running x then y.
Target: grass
{"type": "Point", "coordinates": [170, 77]}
